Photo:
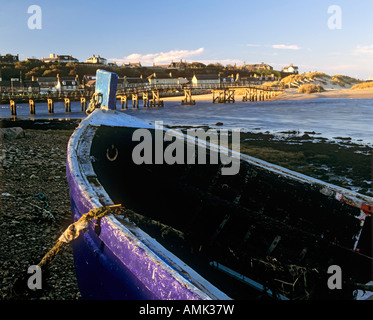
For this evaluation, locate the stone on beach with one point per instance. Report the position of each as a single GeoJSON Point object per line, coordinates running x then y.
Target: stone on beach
{"type": "Point", "coordinates": [12, 133]}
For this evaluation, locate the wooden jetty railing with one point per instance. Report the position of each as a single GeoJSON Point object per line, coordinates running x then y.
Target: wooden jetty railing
{"type": "Point", "coordinates": [149, 94]}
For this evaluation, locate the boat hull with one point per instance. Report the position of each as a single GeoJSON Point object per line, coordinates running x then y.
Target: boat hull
{"type": "Point", "coordinates": [118, 260]}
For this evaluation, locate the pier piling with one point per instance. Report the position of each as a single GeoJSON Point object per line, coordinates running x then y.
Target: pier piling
{"type": "Point", "coordinates": [50, 105]}
{"type": "Point", "coordinates": [83, 103]}
{"type": "Point", "coordinates": [123, 102]}
{"type": "Point", "coordinates": [188, 98]}
{"type": "Point", "coordinates": [156, 100]}
{"type": "Point", "coordinates": [32, 106]}
{"type": "Point", "coordinates": [145, 99]}
{"type": "Point", "coordinates": [135, 100]}
{"type": "Point", "coordinates": [223, 95]}
{"type": "Point", "coordinates": [13, 108]}
{"type": "Point", "coordinates": [67, 105]}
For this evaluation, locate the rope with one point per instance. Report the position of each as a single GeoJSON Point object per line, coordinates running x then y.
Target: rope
{"type": "Point", "coordinates": [75, 229]}
{"type": "Point", "coordinates": [94, 103]}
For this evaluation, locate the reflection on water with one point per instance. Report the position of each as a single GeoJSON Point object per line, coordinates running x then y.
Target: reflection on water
{"type": "Point", "coordinates": [329, 118]}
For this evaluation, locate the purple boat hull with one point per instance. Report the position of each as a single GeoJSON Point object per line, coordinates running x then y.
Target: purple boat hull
{"type": "Point", "coordinates": [113, 262]}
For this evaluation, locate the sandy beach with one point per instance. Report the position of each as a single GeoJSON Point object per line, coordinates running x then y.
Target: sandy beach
{"type": "Point", "coordinates": [293, 94]}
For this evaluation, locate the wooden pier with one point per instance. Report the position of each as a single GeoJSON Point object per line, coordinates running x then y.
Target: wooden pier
{"type": "Point", "coordinates": [223, 96]}
{"type": "Point", "coordinates": [150, 96]}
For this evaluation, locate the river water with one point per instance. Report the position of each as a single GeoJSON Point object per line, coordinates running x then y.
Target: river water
{"type": "Point", "coordinates": [327, 118]}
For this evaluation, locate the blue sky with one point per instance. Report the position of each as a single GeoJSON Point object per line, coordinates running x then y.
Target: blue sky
{"type": "Point", "coordinates": [225, 31]}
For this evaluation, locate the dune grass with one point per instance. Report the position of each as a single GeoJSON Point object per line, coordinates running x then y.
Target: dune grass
{"type": "Point", "coordinates": [363, 85]}
{"type": "Point", "coordinates": [310, 88]}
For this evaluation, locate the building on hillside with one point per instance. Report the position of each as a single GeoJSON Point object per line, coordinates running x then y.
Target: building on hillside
{"type": "Point", "coordinates": [46, 84]}
{"type": "Point", "coordinates": [122, 83]}
{"type": "Point", "coordinates": [9, 58]}
{"type": "Point", "coordinates": [228, 79]}
{"type": "Point", "coordinates": [162, 79]}
{"type": "Point", "coordinates": [182, 81]}
{"type": "Point", "coordinates": [87, 78]}
{"type": "Point", "coordinates": [290, 69]}
{"type": "Point", "coordinates": [90, 84]}
{"type": "Point", "coordinates": [32, 60]}
{"type": "Point", "coordinates": [260, 66]}
{"type": "Point", "coordinates": [60, 58]}
{"type": "Point", "coordinates": [97, 60]}
{"type": "Point", "coordinates": [132, 65]}
{"type": "Point", "coordinates": [135, 82]}
{"type": "Point", "coordinates": [65, 84]}
{"type": "Point", "coordinates": [27, 86]}
{"type": "Point", "coordinates": [178, 65]}
{"type": "Point", "coordinates": [205, 79]}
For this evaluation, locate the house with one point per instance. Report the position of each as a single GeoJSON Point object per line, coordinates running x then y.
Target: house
{"type": "Point", "coordinates": [87, 78]}
{"type": "Point", "coordinates": [19, 86]}
{"type": "Point", "coordinates": [178, 65]}
{"type": "Point", "coordinates": [46, 83]}
{"type": "Point", "coordinates": [90, 84]}
{"type": "Point", "coordinates": [121, 84]}
{"type": "Point", "coordinates": [132, 65]}
{"type": "Point", "coordinates": [9, 58]}
{"type": "Point", "coordinates": [135, 82]}
{"type": "Point", "coordinates": [162, 80]}
{"type": "Point", "coordinates": [205, 79]}
{"type": "Point", "coordinates": [60, 58]}
{"type": "Point", "coordinates": [31, 86]}
{"type": "Point", "coordinates": [67, 84]}
{"type": "Point", "coordinates": [97, 60]}
{"type": "Point", "coordinates": [182, 81]}
{"type": "Point", "coordinates": [32, 60]}
{"type": "Point", "coordinates": [229, 79]}
{"type": "Point", "coordinates": [260, 66]}
{"type": "Point", "coordinates": [290, 69]}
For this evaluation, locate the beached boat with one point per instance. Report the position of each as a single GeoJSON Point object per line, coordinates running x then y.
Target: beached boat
{"type": "Point", "coordinates": [191, 232]}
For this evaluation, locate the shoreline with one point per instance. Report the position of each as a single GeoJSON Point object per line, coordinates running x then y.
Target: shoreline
{"type": "Point", "coordinates": [293, 94]}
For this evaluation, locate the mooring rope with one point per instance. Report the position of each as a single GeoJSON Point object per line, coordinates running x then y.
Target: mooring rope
{"type": "Point", "coordinates": [94, 103]}
{"type": "Point", "coordinates": [76, 228]}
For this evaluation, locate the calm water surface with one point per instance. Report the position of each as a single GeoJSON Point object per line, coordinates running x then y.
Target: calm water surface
{"type": "Point", "coordinates": [329, 118]}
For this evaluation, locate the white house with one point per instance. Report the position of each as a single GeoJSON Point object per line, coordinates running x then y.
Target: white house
{"type": "Point", "coordinates": [60, 58]}
{"type": "Point", "coordinates": [97, 60]}
{"type": "Point", "coordinates": [162, 80]}
{"type": "Point", "coordinates": [67, 84]}
{"type": "Point", "coordinates": [290, 69]}
{"type": "Point", "coordinates": [205, 79]}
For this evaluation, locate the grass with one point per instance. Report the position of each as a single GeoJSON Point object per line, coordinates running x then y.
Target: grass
{"type": "Point", "coordinates": [322, 78]}
{"type": "Point", "coordinates": [310, 88]}
{"type": "Point", "coordinates": [364, 85]}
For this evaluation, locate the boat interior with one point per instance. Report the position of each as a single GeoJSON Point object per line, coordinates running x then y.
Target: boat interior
{"type": "Point", "coordinates": [237, 231]}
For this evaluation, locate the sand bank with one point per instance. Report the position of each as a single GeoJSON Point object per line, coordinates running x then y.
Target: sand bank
{"type": "Point", "coordinates": [293, 94]}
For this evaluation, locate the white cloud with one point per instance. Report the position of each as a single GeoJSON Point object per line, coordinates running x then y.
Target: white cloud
{"type": "Point", "coordinates": [160, 57]}
{"type": "Point", "coordinates": [363, 50]}
{"type": "Point", "coordinates": [275, 46]}
{"type": "Point", "coordinates": [286, 47]}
